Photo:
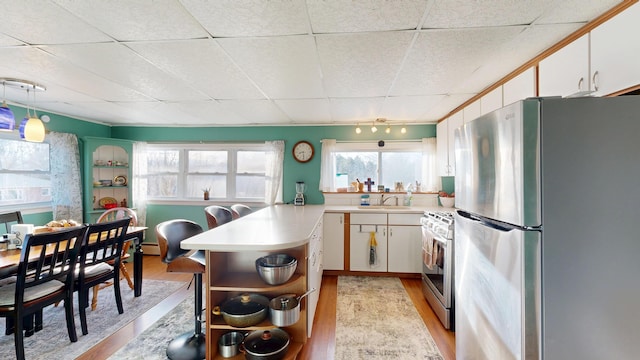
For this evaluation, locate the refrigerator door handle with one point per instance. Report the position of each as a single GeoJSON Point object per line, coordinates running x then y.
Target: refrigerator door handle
{"type": "Point", "coordinates": [493, 224]}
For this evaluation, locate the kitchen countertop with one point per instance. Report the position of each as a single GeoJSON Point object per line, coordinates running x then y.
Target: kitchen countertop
{"type": "Point", "coordinates": [382, 209]}
{"type": "Point", "coordinates": [272, 228]}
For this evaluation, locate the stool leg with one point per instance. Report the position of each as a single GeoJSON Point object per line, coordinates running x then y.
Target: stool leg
{"type": "Point", "coordinates": [191, 345]}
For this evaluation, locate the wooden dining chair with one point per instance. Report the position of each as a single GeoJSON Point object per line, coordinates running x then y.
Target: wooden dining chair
{"type": "Point", "coordinates": [45, 275]}
{"type": "Point", "coordinates": [217, 215]}
{"type": "Point", "coordinates": [101, 247]}
{"type": "Point", "coordinates": [107, 216]}
{"type": "Point", "coordinates": [240, 210]}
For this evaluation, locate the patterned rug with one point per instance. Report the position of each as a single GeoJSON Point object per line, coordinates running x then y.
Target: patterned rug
{"type": "Point", "coordinates": [375, 319]}
{"type": "Point", "coordinates": [52, 342]}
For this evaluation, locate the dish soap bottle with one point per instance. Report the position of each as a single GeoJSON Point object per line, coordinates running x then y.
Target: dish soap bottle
{"type": "Point", "coordinates": [407, 198]}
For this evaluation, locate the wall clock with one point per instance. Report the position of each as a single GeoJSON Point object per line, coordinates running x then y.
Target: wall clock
{"type": "Point", "coordinates": [303, 151]}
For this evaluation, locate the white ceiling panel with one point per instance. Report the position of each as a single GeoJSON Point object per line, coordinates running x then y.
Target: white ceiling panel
{"type": "Point", "coordinates": [202, 64]}
{"type": "Point", "coordinates": [138, 20]}
{"type": "Point", "coordinates": [125, 67]}
{"type": "Point", "coordinates": [256, 111]}
{"type": "Point", "coordinates": [43, 22]}
{"type": "Point", "coordinates": [283, 67]}
{"type": "Point", "coordinates": [306, 111]}
{"type": "Point", "coordinates": [295, 62]}
{"type": "Point", "coordinates": [361, 65]}
{"type": "Point", "coordinates": [409, 107]}
{"type": "Point", "coordinates": [240, 18]}
{"type": "Point", "coordinates": [337, 16]}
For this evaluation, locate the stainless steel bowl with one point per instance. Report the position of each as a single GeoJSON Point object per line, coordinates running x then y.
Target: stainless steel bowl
{"type": "Point", "coordinates": [276, 269]}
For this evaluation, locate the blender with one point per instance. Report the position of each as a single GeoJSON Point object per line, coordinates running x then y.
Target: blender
{"type": "Point", "coordinates": [300, 189]}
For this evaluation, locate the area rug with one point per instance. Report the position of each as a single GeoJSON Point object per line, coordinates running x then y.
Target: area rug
{"type": "Point", "coordinates": [375, 319]}
{"type": "Point", "coordinates": [52, 342]}
{"type": "Point", "coordinates": [152, 343]}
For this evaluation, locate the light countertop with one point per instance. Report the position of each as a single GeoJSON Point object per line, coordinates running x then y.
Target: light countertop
{"type": "Point", "coordinates": [272, 228]}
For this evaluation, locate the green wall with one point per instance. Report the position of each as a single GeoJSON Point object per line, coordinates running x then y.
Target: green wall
{"type": "Point", "coordinates": [293, 171]}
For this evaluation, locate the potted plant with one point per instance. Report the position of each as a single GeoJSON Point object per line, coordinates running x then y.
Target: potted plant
{"type": "Point", "coordinates": [206, 193]}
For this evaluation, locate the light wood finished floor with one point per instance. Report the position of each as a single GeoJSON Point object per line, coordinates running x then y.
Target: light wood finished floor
{"type": "Point", "coordinates": [320, 346]}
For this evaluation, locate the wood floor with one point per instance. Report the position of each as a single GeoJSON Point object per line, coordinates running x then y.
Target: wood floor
{"type": "Point", "coordinates": [320, 346]}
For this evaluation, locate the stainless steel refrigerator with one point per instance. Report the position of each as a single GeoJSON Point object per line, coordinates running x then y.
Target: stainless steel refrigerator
{"type": "Point", "coordinates": [547, 231]}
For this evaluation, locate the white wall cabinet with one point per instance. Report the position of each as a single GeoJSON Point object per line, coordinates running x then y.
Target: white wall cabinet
{"type": "Point", "coordinates": [333, 239]}
{"type": "Point", "coordinates": [566, 72]}
{"type": "Point", "coordinates": [615, 53]}
{"type": "Point", "coordinates": [520, 87]}
{"type": "Point", "coordinates": [445, 131]}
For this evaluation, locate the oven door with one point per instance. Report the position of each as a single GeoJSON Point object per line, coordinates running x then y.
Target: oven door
{"type": "Point", "coordinates": [437, 264]}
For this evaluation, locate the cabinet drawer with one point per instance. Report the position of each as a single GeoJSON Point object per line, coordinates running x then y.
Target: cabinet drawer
{"type": "Point", "coordinates": [375, 219]}
{"type": "Point", "coordinates": [404, 219]}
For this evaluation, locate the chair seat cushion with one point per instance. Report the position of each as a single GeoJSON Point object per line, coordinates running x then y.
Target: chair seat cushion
{"type": "Point", "coordinates": [95, 270]}
{"type": "Point", "coordinates": [8, 292]}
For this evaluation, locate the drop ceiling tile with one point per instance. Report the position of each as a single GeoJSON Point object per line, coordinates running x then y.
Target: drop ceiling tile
{"type": "Point", "coordinates": [361, 65]}
{"type": "Point", "coordinates": [336, 16]}
{"type": "Point", "coordinates": [513, 53]}
{"type": "Point", "coordinates": [206, 113]}
{"type": "Point", "coordinates": [43, 22]}
{"type": "Point", "coordinates": [468, 14]}
{"type": "Point", "coordinates": [240, 18]}
{"type": "Point", "coordinates": [409, 107]}
{"type": "Point", "coordinates": [123, 66]}
{"type": "Point", "coordinates": [440, 60]}
{"type": "Point", "coordinates": [356, 109]}
{"type": "Point", "coordinates": [283, 67]}
{"type": "Point", "coordinates": [201, 63]}
{"type": "Point", "coordinates": [574, 11]}
{"type": "Point", "coordinates": [39, 66]}
{"type": "Point", "coordinates": [306, 111]}
{"type": "Point", "coordinates": [137, 19]}
{"type": "Point", "coordinates": [6, 40]}
{"type": "Point", "coordinates": [445, 105]}
{"type": "Point", "coordinates": [256, 112]}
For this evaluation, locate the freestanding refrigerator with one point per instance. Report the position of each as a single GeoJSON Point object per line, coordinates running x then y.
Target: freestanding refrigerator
{"type": "Point", "coordinates": [547, 235]}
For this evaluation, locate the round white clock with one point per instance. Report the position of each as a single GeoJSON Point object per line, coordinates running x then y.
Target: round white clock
{"type": "Point", "coordinates": [303, 151]}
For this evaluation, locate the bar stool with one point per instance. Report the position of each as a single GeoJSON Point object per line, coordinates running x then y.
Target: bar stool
{"type": "Point", "coordinates": [240, 210]}
{"type": "Point", "coordinates": [217, 215]}
{"type": "Point", "coordinates": [190, 345]}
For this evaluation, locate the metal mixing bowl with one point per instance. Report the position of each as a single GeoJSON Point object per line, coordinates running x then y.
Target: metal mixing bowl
{"type": "Point", "coordinates": [276, 269]}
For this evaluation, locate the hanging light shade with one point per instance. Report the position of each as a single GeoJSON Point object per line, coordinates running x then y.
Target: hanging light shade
{"type": "Point", "coordinates": [7, 119]}
{"type": "Point", "coordinates": [32, 129]}
{"type": "Point", "coordinates": [358, 130]}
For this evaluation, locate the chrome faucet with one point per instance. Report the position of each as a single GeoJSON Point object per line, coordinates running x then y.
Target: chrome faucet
{"type": "Point", "coordinates": [383, 200]}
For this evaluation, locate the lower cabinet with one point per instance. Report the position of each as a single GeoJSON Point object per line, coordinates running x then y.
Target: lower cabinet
{"type": "Point", "coordinates": [333, 241]}
{"type": "Point", "coordinates": [361, 250]}
{"type": "Point", "coordinates": [405, 249]}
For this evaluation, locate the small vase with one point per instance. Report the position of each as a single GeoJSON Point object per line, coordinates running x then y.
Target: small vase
{"type": "Point", "coordinates": [206, 195]}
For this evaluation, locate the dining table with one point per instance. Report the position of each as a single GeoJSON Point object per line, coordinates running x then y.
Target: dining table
{"type": "Point", "coordinates": [9, 259]}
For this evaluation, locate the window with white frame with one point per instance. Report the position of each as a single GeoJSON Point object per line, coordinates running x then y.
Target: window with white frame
{"type": "Point", "coordinates": [407, 162]}
{"type": "Point", "coordinates": [25, 179]}
{"type": "Point", "coordinates": [231, 172]}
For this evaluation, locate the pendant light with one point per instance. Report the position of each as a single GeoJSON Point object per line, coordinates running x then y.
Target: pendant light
{"type": "Point", "coordinates": [7, 118]}
{"type": "Point", "coordinates": [32, 128]}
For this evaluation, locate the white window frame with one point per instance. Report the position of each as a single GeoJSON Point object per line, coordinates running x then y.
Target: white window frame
{"type": "Point", "coordinates": [231, 148]}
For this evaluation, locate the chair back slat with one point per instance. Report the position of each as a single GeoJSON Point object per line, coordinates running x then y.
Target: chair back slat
{"type": "Point", "coordinates": [47, 256]}
{"type": "Point", "coordinates": [10, 218]}
{"type": "Point", "coordinates": [103, 243]}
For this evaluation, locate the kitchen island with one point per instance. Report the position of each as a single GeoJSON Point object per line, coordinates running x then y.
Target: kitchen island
{"type": "Point", "coordinates": [231, 251]}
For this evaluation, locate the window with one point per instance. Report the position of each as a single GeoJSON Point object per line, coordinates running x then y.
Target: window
{"type": "Point", "coordinates": [231, 172]}
{"type": "Point", "coordinates": [395, 162]}
{"type": "Point", "coordinates": [24, 173]}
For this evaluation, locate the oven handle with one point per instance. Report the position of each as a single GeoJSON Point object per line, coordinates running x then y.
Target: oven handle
{"type": "Point", "coordinates": [435, 236]}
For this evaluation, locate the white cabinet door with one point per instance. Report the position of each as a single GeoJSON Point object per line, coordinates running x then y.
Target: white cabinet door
{"type": "Point", "coordinates": [360, 249]}
{"type": "Point", "coordinates": [566, 71]}
{"type": "Point", "coordinates": [615, 53]}
{"type": "Point", "coordinates": [471, 111]}
{"type": "Point", "coordinates": [520, 87]}
{"type": "Point", "coordinates": [491, 101]}
{"type": "Point", "coordinates": [333, 241]}
{"type": "Point", "coordinates": [445, 145]}
{"type": "Point", "coordinates": [405, 249]}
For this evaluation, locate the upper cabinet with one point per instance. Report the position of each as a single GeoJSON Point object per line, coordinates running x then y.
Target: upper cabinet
{"type": "Point", "coordinates": [599, 63]}
{"type": "Point", "coordinates": [520, 87]}
{"type": "Point", "coordinates": [615, 53]}
{"type": "Point", "coordinates": [445, 132]}
{"type": "Point", "coordinates": [107, 175]}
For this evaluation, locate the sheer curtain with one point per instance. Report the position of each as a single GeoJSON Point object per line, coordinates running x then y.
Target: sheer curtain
{"type": "Point", "coordinates": [430, 179]}
{"type": "Point", "coordinates": [139, 191]}
{"type": "Point", "coordinates": [274, 164]}
{"type": "Point", "coordinates": [328, 165]}
{"type": "Point", "coordinates": [66, 180]}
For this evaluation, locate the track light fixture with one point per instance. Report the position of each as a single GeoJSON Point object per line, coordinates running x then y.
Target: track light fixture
{"type": "Point", "coordinates": [358, 130]}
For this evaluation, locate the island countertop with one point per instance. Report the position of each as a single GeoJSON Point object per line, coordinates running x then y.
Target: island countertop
{"type": "Point", "coordinates": [272, 228]}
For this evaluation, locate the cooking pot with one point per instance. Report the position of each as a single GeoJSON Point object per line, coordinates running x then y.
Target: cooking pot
{"type": "Point", "coordinates": [269, 344]}
{"type": "Point", "coordinates": [285, 309]}
{"type": "Point", "coordinates": [229, 343]}
{"type": "Point", "coordinates": [244, 310]}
